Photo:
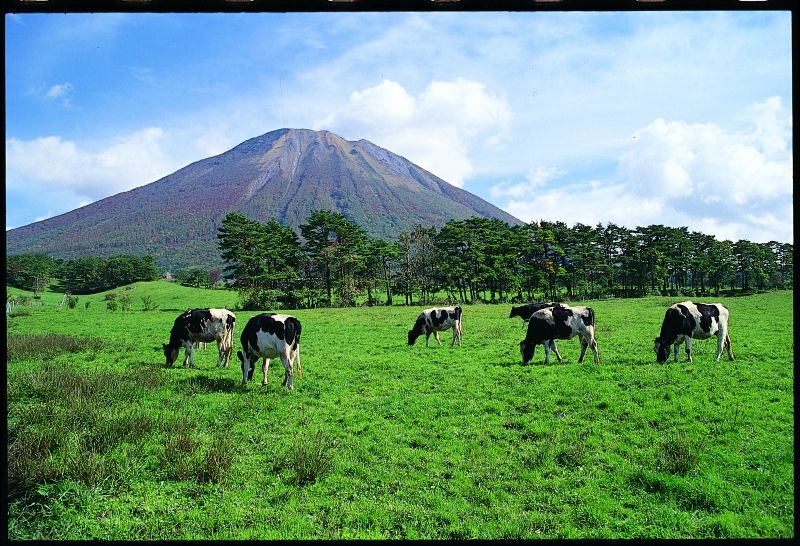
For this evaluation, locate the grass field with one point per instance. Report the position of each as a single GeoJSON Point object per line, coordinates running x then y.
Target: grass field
{"type": "Point", "coordinates": [383, 440]}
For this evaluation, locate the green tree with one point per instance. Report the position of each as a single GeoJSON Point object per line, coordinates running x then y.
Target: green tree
{"type": "Point", "coordinates": [193, 277]}
{"type": "Point", "coordinates": [261, 259]}
{"type": "Point", "coordinates": [31, 271]}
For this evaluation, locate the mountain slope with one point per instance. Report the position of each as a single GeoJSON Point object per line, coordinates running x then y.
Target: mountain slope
{"type": "Point", "coordinates": [283, 174]}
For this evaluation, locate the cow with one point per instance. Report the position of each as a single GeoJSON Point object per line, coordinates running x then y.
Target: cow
{"type": "Point", "coordinates": [271, 335]}
{"type": "Point", "coordinates": [559, 322]}
{"type": "Point", "coordinates": [686, 321]}
{"type": "Point", "coordinates": [434, 320]}
{"type": "Point", "coordinates": [201, 325]}
{"type": "Point", "coordinates": [526, 311]}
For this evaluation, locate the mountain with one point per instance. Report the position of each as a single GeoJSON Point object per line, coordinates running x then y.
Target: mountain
{"type": "Point", "coordinates": [283, 174]}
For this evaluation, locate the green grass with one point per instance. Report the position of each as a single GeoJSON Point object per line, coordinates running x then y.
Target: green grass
{"type": "Point", "coordinates": [383, 440]}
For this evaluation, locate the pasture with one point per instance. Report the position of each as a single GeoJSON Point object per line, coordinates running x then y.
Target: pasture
{"type": "Point", "coordinates": [383, 440]}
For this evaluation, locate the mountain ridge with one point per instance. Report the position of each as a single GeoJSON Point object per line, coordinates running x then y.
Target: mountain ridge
{"type": "Point", "coordinates": [282, 174]}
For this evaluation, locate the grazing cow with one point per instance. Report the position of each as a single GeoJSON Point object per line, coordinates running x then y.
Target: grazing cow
{"type": "Point", "coordinates": [526, 311]}
{"type": "Point", "coordinates": [201, 325]}
{"type": "Point", "coordinates": [266, 336]}
{"type": "Point", "coordinates": [559, 322]}
{"type": "Point", "coordinates": [435, 320]}
{"type": "Point", "coordinates": [686, 320]}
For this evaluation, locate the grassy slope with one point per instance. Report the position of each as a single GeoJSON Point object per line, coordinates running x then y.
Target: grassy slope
{"type": "Point", "coordinates": [422, 443]}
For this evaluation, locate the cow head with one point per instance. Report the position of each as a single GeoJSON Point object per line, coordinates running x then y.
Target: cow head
{"type": "Point", "coordinates": [526, 351]}
{"type": "Point", "coordinates": [662, 350]}
{"type": "Point", "coordinates": [248, 366]}
{"type": "Point", "coordinates": [514, 312]}
{"type": "Point", "coordinates": [170, 353]}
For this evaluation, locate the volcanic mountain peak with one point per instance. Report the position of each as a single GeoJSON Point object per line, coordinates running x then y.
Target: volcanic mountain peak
{"type": "Point", "coordinates": [284, 174]}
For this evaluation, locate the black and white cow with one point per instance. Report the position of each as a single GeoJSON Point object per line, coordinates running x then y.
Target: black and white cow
{"type": "Point", "coordinates": [435, 320]}
{"type": "Point", "coordinates": [525, 311]}
{"type": "Point", "coordinates": [686, 321]}
{"type": "Point", "coordinates": [201, 325]}
{"type": "Point", "coordinates": [270, 335]}
{"type": "Point", "coordinates": [559, 322]}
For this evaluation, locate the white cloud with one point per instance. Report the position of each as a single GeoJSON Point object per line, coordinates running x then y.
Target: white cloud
{"type": "Point", "coordinates": [435, 129]}
{"type": "Point", "coordinates": [536, 178]}
{"type": "Point", "coordinates": [726, 183]}
{"type": "Point", "coordinates": [59, 90]}
{"type": "Point", "coordinates": [588, 204]}
{"type": "Point", "coordinates": [702, 161]}
{"type": "Point", "coordinates": [57, 164]}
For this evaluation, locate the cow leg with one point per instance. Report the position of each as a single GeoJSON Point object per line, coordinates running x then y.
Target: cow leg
{"type": "Point", "coordinates": [438, 339]}
{"type": "Point", "coordinates": [720, 343]}
{"type": "Point", "coordinates": [189, 354]}
{"type": "Point", "coordinates": [265, 369]}
{"type": "Point", "coordinates": [296, 357]}
{"type": "Point", "coordinates": [288, 378]}
{"type": "Point", "coordinates": [584, 346]}
{"type": "Point", "coordinates": [677, 349]}
{"type": "Point", "coordinates": [427, 338]}
{"type": "Point", "coordinates": [689, 348]}
{"type": "Point", "coordinates": [546, 352]}
{"type": "Point", "coordinates": [220, 352]}
{"type": "Point", "coordinates": [728, 346]}
{"type": "Point", "coordinates": [593, 346]}
{"type": "Point", "coordinates": [554, 348]}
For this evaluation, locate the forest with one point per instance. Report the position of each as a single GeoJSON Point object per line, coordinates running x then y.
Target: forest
{"type": "Point", "coordinates": [486, 260]}
{"type": "Point", "coordinates": [333, 262]}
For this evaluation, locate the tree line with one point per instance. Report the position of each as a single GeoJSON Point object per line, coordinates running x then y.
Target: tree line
{"type": "Point", "coordinates": [334, 262]}
{"type": "Point", "coordinates": [86, 275]}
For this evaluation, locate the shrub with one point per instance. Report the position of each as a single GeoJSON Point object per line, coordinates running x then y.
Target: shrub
{"type": "Point", "coordinates": [218, 458]}
{"type": "Point", "coordinates": [677, 454]}
{"type": "Point", "coordinates": [125, 302]}
{"type": "Point", "coordinates": [148, 304]}
{"type": "Point", "coordinates": [72, 301]}
{"type": "Point", "coordinates": [260, 298]}
{"type": "Point", "coordinates": [112, 305]}
{"type": "Point", "coordinates": [308, 458]}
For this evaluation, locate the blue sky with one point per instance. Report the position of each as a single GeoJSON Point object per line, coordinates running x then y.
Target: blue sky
{"type": "Point", "coordinates": [636, 118]}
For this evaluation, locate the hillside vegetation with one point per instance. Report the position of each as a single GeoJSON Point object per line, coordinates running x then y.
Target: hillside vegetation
{"type": "Point", "coordinates": [383, 440]}
{"type": "Point", "coordinates": [284, 174]}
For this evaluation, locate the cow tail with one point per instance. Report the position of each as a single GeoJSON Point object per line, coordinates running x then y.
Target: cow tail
{"type": "Point", "coordinates": [460, 322]}
{"type": "Point", "coordinates": [232, 323]}
{"type": "Point", "coordinates": [299, 367]}
{"type": "Point", "coordinates": [591, 316]}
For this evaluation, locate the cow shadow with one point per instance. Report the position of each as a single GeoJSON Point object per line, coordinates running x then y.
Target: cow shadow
{"type": "Point", "coordinates": [203, 384]}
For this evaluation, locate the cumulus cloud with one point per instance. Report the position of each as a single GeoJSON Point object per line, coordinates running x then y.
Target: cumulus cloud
{"type": "Point", "coordinates": [536, 178]}
{"type": "Point", "coordinates": [57, 164]}
{"type": "Point", "coordinates": [732, 184]}
{"type": "Point", "coordinates": [435, 129]}
{"type": "Point", "coordinates": [702, 161]}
